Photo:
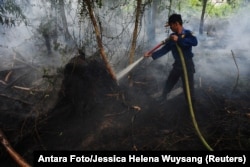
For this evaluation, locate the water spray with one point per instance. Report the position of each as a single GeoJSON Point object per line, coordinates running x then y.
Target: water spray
{"type": "Point", "coordinates": [122, 73]}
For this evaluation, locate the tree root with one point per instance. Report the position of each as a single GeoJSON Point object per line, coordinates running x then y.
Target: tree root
{"type": "Point", "coordinates": [15, 156]}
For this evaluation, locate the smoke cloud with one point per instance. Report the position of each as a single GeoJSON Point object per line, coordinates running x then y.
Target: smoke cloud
{"type": "Point", "coordinates": [217, 57]}
{"type": "Point", "coordinates": [213, 55]}
{"type": "Point", "coordinates": [222, 49]}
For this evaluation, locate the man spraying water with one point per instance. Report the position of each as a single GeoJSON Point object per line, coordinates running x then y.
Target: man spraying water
{"type": "Point", "coordinates": [180, 42]}
{"type": "Point", "coordinates": [185, 40]}
{"type": "Point", "coordinates": [131, 66]}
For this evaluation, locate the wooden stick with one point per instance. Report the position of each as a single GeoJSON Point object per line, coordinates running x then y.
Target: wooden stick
{"type": "Point", "coordinates": [15, 156]}
{"type": "Point", "coordinates": [2, 82]}
{"type": "Point", "coordinates": [6, 79]}
{"type": "Point", "coordinates": [22, 88]}
{"type": "Point", "coordinates": [238, 73]}
{"type": "Point", "coordinates": [17, 79]}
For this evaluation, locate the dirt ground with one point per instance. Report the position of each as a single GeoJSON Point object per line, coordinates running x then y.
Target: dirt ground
{"type": "Point", "coordinates": [92, 112]}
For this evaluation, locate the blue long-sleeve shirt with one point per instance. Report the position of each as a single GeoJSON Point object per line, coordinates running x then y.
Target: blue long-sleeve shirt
{"type": "Point", "coordinates": [186, 40]}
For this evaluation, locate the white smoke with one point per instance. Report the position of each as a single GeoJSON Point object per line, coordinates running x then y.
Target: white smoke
{"type": "Point", "coordinates": [217, 57]}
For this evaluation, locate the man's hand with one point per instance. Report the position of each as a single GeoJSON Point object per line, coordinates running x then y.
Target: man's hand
{"type": "Point", "coordinates": [147, 54]}
{"type": "Point", "coordinates": [174, 38]}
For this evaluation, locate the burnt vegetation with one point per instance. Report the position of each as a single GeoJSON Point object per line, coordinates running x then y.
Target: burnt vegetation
{"type": "Point", "coordinates": [93, 112]}
{"type": "Point", "coordinates": [80, 106]}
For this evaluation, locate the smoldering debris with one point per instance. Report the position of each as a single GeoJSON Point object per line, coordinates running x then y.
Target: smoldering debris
{"type": "Point", "coordinates": [84, 109]}
{"type": "Point", "coordinates": [23, 93]}
{"type": "Point", "coordinates": [92, 112]}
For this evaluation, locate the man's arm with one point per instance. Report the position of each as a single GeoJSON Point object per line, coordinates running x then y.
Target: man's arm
{"type": "Point", "coordinates": [162, 51]}
{"type": "Point", "coordinates": [187, 39]}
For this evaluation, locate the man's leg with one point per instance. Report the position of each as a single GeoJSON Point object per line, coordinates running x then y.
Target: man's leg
{"type": "Point", "coordinates": [171, 81]}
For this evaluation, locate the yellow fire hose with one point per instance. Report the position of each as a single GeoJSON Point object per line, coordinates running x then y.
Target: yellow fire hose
{"type": "Point", "coordinates": [189, 99]}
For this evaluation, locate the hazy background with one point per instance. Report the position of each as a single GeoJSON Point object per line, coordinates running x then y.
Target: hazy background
{"type": "Point", "coordinates": [223, 40]}
{"type": "Point", "coordinates": [213, 55]}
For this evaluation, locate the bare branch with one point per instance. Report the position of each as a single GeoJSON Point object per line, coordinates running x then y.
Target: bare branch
{"type": "Point", "coordinates": [15, 156]}
{"type": "Point", "coordinates": [238, 72]}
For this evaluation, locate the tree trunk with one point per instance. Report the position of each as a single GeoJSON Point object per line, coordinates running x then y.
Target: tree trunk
{"type": "Point", "coordinates": [64, 20]}
{"type": "Point", "coordinates": [135, 34]}
{"type": "Point", "coordinates": [204, 5]}
{"type": "Point", "coordinates": [169, 13]}
{"type": "Point", "coordinates": [98, 38]}
{"type": "Point", "coordinates": [151, 20]}
{"type": "Point", "coordinates": [170, 7]}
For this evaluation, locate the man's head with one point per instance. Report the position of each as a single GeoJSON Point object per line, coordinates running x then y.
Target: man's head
{"type": "Point", "coordinates": [175, 22]}
{"type": "Point", "coordinates": [174, 18]}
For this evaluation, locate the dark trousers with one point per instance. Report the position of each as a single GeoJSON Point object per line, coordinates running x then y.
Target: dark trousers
{"type": "Point", "coordinates": [175, 74]}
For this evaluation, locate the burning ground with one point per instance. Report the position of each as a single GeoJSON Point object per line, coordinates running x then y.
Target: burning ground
{"type": "Point", "coordinates": [89, 111]}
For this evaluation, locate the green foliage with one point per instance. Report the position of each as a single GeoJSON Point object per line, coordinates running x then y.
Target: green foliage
{"type": "Point", "coordinates": [10, 7]}
{"type": "Point", "coordinates": [195, 3]}
{"type": "Point", "coordinates": [10, 12]}
{"type": "Point", "coordinates": [218, 11]}
{"type": "Point", "coordinates": [215, 9]}
{"type": "Point", "coordinates": [99, 3]}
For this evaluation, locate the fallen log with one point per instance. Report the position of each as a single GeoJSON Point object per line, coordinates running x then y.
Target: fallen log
{"type": "Point", "coordinates": [15, 156]}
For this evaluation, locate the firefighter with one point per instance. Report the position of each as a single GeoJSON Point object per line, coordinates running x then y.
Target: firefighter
{"type": "Point", "coordinates": [185, 40]}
